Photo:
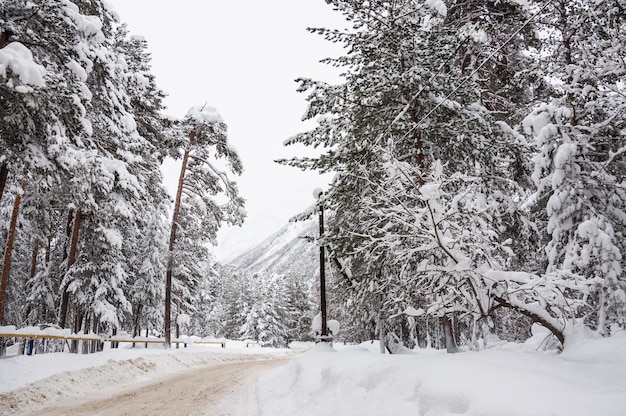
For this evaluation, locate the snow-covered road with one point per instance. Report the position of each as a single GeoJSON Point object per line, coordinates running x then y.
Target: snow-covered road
{"type": "Point", "coordinates": [202, 383]}
{"type": "Point", "coordinates": [217, 390]}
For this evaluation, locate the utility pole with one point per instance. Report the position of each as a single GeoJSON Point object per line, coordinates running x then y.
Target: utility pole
{"type": "Point", "coordinates": [324, 334]}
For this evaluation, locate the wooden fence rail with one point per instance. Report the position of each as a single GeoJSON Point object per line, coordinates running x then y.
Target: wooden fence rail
{"type": "Point", "coordinates": [95, 338]}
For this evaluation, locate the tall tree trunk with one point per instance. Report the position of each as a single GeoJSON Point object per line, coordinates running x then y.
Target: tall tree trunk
{"type": "Point", "coordinates": [170, 263]}
{"type": "Point", "coordinates": [33, 260]}
{"type": "Point", "coordinates": [113, 343]}
{"type": "Point", "coordinates": [78, 326]}
{"type": "Point", "coordinates": [66, 251]}
{"type": "Point", "coordinates": [48, 250]}
{"type": "Point", "coordinates": [96, 328]}
{"type": "Point", "coordinates": [136, 328]}
{"type": "Point", "coordinates": [177, 334]}
{"type": "Point", "coordinates": [71, 258]}
{"type": "Point", "coordinates": [86, 327]}
{"type": "Point", "coordinates": [381, 334]}
{"type": "Point", "coordinates": [4, 174]}
{"type": "Point", "coordinates": [448, 333]}
{"type": "Point", "coordinates": [5, 35]}
{"type": "Point", "coordinates": [7, 256]}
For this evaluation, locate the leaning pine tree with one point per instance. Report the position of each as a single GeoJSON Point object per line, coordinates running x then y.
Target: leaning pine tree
{"type": "Point", "coordinates": [204, 191]}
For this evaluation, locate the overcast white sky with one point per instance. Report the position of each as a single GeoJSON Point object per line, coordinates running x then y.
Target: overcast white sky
{"type": "Point", "coordinates": [242, 57]}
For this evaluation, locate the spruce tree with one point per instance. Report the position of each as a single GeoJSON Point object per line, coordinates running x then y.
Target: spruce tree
{"type": "Point", "coordinates": [578, 130]}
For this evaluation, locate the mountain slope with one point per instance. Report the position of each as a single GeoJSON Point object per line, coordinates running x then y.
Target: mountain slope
{"type": "Point", "coordinates": [287, 251]}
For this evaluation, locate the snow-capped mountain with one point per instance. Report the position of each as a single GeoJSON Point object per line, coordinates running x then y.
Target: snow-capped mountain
{"type": "Point", "coordinates": [287, 251]}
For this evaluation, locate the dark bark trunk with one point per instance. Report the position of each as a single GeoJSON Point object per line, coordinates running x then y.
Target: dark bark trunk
{"type": "Point", "coordinates": [136, 329]}
{"type": "Point", "coordinates": [48, 250]}
{"type": "Point", "coordinates": [113, 343]}
{"type": "Point", "coordinates": [324, 329]}
{"type": "Point", "coordinates": [94, 330]}
{"type": "Point", "coordinates": [71, 258]}
{"type": "Point", "coordinates": [167, 321]}
{"type": "Point", "coordinates": [86, 327]}
{"type": "Point", "coordinates": [170, 263]}
{"type": "Point", "coordinates": [68, 243]}
{"type": "Point", "coordinates": [177, 334]}
{"type": "Point", "coordinates": [448, 333]}
{"type": "Point", "coordinates": [6, 268]}
{"type": "Point", "coordinates": [78, 323]}
{"type": "Point", "coordinates": [33, 260]}
{"type": "Point", "coordinates": [4, 174]}
{"type": "Point", "coordinates": [97, 345]}
{"type": "Point", "coordinates": [5, 37]}
{"type": "Point", "coordinates": [65, 301]}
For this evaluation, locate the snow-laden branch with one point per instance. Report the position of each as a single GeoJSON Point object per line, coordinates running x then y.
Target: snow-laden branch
{"type": "Point", "coordinates": [219, 173]}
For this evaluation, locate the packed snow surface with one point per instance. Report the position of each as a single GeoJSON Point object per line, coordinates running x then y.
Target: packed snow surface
{"type": "Point", "coordinates": [587, 378]}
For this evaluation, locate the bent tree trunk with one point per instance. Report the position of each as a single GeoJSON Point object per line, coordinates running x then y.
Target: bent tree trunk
{"type": "Point", "coordinates": [535, 318]}
{"type": "Point", "coordinates": [8, 251]}
{"type": "Point", "coordinates": [170, 263]}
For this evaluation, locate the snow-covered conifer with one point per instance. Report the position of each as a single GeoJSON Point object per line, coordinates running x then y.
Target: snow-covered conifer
{"type": "Point", "coordinates": [579, 134]}
{"type": "Point", "coordinates": [206, 197]}
{"type": "Point", "coordinates": [428, 169]}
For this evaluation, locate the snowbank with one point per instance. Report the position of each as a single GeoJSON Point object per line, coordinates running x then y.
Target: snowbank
{"type": "Point", "coordinates": [587, 379]}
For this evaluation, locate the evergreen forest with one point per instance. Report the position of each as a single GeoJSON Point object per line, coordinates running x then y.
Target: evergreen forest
{"type": "Point", "coordinates": [479, 156]}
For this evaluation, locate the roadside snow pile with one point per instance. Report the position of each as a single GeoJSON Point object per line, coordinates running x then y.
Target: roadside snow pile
{"type": "Point", "coordinates": [29, 382]}
{"type": "Point", "coordinates": [588, 378]}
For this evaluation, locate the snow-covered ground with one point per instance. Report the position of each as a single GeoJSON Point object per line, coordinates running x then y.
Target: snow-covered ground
{"type": "Point", "coordinates": [588, 378]}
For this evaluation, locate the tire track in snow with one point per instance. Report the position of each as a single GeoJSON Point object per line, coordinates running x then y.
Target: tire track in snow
{"type": "Point", "coordinates": [217, 390]}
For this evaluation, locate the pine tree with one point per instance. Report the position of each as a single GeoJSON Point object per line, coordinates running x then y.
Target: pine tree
{"type": "Point", "coordinates": [203, 181]}
{"type": "Point", "coordinates": [84, 139]}
{"type": "Point", "coordinates": [120, 177]}
{"type": "Point", "coordinates": [42, 96]}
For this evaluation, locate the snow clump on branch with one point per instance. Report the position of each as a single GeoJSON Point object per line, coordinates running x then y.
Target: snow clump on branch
{"type": "Point", "coordinates": [205, 114]}
{"type": "Point", "coordinates": [19, 60]}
